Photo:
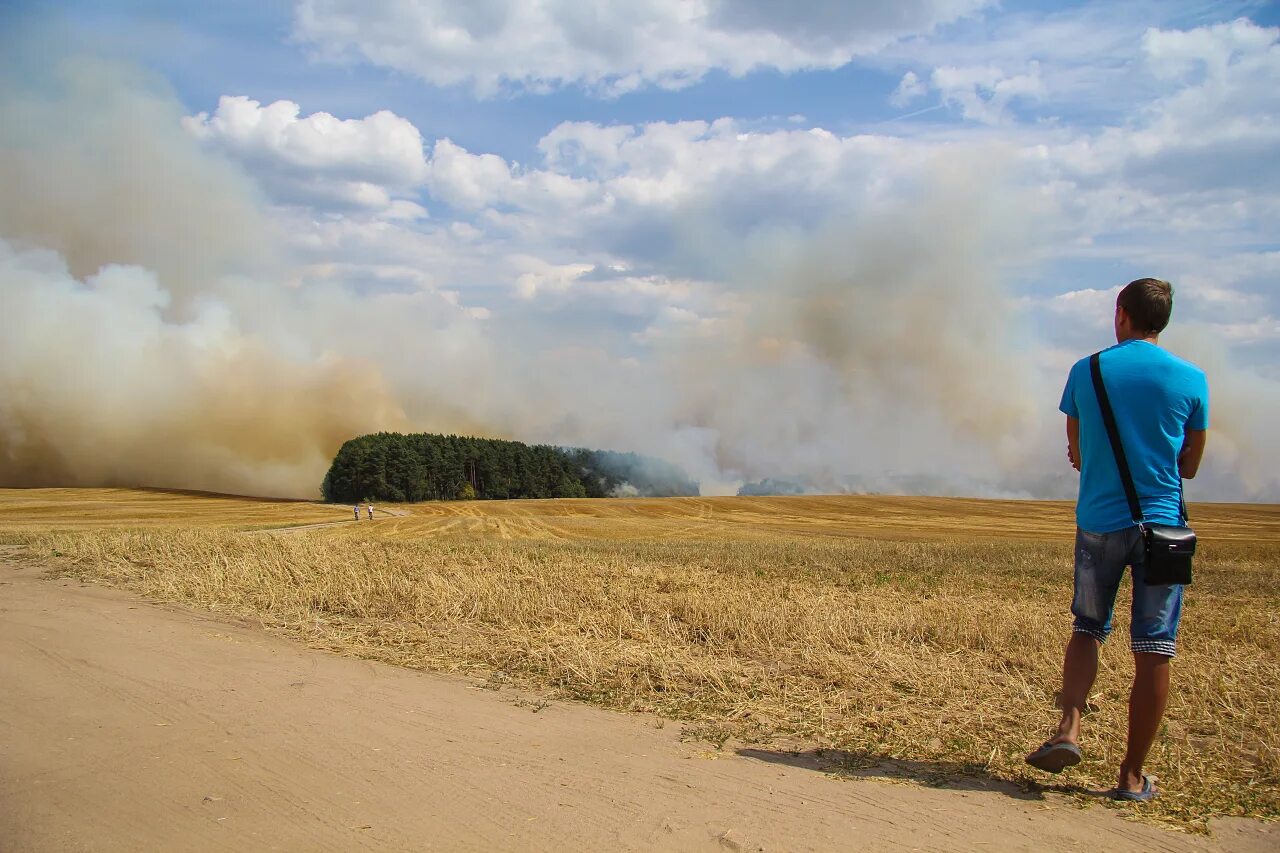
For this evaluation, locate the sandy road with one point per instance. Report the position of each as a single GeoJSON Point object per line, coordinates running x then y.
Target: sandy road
{"type": "Point", "coordinates": [127, 725]}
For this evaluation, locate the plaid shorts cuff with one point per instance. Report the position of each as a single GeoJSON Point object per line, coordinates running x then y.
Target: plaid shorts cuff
{"type": "Point", "coordinates": [1099, 635]}
{"type": "Point", "coordinates": [1158, 647]}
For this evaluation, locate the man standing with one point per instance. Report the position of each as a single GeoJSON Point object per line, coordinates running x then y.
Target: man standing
{"type": "Point", "coordinates": [1161, 406]}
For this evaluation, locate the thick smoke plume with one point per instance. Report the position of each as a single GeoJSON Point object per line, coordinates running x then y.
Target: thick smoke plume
{"type": "Point", "coordinates": [153, 332]}
{"type": "Point", "coordinates": [142, 341]}
{"type": "Point", "coordinates": [879, 346]}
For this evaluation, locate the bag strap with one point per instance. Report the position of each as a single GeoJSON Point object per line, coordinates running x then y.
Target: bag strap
{"type": "Point", "coordinates": [1109, 420]}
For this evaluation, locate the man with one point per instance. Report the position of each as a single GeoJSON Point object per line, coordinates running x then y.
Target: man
{"type": "Point", "coordinates": [1161, 406]}
{"type": "Point", "coordinates": [370, 512]}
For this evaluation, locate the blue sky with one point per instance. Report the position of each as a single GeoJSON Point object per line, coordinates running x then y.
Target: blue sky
{"type": "Point", "coordinates": [239, 46]}
{"type": "Point", "coordinates": [715, 230]}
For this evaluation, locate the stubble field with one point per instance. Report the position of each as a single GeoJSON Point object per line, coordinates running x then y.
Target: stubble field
{"type": "Point", "coordinates": [920, 636]}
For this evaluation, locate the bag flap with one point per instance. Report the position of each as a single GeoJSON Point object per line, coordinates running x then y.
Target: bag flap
{"type": "Point", "coordinates": [1170, 536]}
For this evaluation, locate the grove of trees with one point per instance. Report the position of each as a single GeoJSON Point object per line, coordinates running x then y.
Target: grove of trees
{"type": "Point", "coordinates": [393, 467]}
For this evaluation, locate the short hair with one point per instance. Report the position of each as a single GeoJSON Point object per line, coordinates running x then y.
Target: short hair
{"type": "Point", "coordinates": [1148, 302]}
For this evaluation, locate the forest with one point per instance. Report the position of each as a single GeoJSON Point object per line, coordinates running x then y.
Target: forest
{"type": "Point", "coordinates": [394, 467]}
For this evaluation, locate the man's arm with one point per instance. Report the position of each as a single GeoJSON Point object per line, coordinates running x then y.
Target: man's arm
{"type": "Point", "coordinates": [1073, 442]}
{"type": "Point", "coordinates": [1192, 452]}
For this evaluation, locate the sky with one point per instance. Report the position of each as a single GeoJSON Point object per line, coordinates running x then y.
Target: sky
{"type": "Point", "coordinates": [855, 245]}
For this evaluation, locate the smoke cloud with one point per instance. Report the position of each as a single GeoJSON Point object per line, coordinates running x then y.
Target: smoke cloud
{"type": "Point", "coordinates": [879, 346]}
{"type": "Point", "coordinates": [143, 337]}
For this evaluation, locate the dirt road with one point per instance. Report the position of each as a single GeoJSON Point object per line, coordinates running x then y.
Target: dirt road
{"type": "Point", "coordinates": [127, 725]}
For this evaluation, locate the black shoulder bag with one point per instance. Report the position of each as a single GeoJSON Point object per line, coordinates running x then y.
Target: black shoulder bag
{"type": "Point", "coordinates": [1168, 548]}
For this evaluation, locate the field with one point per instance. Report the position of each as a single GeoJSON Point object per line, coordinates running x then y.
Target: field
{"type": "Point", "coordinates": [916, 634]}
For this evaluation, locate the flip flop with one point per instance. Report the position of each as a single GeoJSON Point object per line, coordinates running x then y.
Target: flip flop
{"type": "Point", "coordinates": [1148, 792]}
{"type": "Point", "coordinates": [1055, 757]}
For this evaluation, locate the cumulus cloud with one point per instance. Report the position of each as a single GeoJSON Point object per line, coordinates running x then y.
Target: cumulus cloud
{"type": "Point", "coordinates": [471, 182]}
{"type": "Point", "coordinates": [984, 93]}
{"type": "Point", "coordinates": [909, 88]}
{"type": "Point", "coordinates": [1229, 109]}
{"type": "Point", "coordinates": [609, 47]}
{"type": "Point", "coordinates": [319, 159]}
{"type": "Point", "coordinates": [641, 192]}
{"type": "Point", "coordinates": [1214, 49]}
{"type": "Point", "coordinates": [1085, 52]}
{"type": "Point", "coordinates": [1195, 159]}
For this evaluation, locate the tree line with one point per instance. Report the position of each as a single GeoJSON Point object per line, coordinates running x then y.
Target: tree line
{"type": "Point", "coordinates": [393, 467]}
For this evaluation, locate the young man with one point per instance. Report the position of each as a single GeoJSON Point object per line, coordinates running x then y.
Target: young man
{"type": "Point", "coordinates": [1161, 406]}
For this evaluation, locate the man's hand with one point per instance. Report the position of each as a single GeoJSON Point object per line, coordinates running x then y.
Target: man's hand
{"type": "Point", "coordinates": [1073, 442]}
{"type": "Point", "coordinates": [1192, 453]}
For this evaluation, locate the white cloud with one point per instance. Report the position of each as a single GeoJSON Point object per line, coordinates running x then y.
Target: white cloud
{"type": "Point", "coordinates": [1079, 319]}
{"type": "Point", "coordinates": [355, 163]}
{"type": "Point", "coordinates": [612, 47]}
{"type": "Point", "coordinates": [1175, 53]}
{"type": "Point", "coordinates": [662, 165]}
{"type": "Point", "coordinates": [466, 180]}
{"type": "Point", "coordinates": [549, 278]}
{"type": "Point", "coordinates": [475, 181]}
{"type": "Point", "coordinates": [1199, 158]}
{"type": "Point", "coordinates": [683, 201]}
{"type": "Point", "coordinates": [1255, 331]}
{"type": "Point", "coordinates": [984, 93]}
{"type": "Point", "coordinates": [909, 88]}
{"type": "Point", "coordinates": [1085, 51]}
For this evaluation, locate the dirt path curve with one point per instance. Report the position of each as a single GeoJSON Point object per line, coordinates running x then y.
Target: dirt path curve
{"type": "Point", "coordinates": [128, 725]}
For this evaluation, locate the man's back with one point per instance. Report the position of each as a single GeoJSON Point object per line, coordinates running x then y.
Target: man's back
{"type": "Point", "coordinates": [1157, 397]}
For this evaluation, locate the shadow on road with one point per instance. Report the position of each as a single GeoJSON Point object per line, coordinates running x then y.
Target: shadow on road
{"type": "Point", "coordinates": [936, 774]}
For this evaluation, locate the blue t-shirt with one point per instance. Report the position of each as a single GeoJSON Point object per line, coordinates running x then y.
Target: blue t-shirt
{"type": "Point", "coordinates": [1156, 397]}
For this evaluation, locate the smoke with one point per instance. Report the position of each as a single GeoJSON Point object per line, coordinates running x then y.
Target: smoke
{"type": "Point", "coordinates": [144, 337]}
{"type": "Point", "coordinates": [96, 168]}
{"type": "Point", "coordinates": [1239, 462]}
{"type": "Point", "coordinates": [154, 331]}
{"type": "Point", "coordinates": [150, 335]}
{"type": "Point", "coordinates": [879, 346]}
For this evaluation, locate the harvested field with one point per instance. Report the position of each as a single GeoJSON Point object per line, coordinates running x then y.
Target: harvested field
{"type": "Point", "coordinates": [925, 634]}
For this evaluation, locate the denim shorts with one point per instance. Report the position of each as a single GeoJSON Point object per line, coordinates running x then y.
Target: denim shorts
{"type": "Point", "coordinates": [1100, 562]}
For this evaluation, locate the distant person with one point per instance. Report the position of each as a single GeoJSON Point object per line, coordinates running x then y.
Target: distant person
{"type": "Point", "coordinates": [1161, 406]}
{"type": "Point", "coordinates": [357, 509]}
{"type": "Point", "coordinates": [370, 508]}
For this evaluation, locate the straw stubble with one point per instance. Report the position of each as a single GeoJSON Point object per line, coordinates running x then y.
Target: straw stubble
{"type": "Point", "coordinates": [936, 658]}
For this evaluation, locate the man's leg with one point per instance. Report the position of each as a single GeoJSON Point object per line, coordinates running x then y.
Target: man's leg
{"type": "Point", "coordinates": [1157, 610]}
{"type": "Point", "coordinates": [1079, 671]}
{"type": "Point", "coordinates": [1147, 699]}
{"type": "Point", "coordinates": [1098, 568]}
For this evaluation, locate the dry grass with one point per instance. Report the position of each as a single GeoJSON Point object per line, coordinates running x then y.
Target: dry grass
{"type": "Point", "coordinates": [39, 510]}
{"type": "Point", "coordinates": [921, 631]}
